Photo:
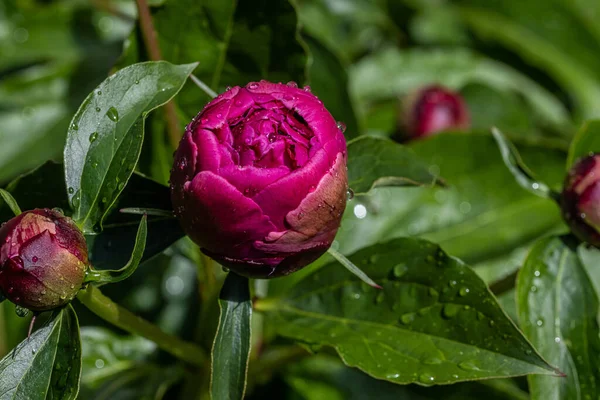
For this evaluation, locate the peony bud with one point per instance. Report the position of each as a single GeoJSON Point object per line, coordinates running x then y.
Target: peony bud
{"type": "Point", "coordinates": [259, 180]}
{"type": "Point", "coordinates": [580, 199]}
{"type": "Point", "coordinates": [43, 259]}
{"type": "Point", "coordinates": [434, 109]}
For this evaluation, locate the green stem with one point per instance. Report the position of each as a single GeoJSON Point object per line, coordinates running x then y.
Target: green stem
{"type": "Point", "coordinates": [111, 312]}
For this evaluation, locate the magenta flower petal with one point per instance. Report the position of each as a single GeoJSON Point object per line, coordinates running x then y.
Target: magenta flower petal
{"type": "Point", "coordinates": [231, 221]}
{"type": "Point", "coordinates": [263, 155]}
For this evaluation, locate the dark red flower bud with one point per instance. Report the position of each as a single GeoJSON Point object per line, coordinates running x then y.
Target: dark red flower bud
{"type": "Point", "coordinates": [580, 199]}
{"type": "Point", "coordinates": [434, 109]}
{"type": "Point", "coordinates": [43, 259]}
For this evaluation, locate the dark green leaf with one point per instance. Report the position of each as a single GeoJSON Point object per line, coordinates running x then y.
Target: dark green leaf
{"type": "Point", "coordinates": [105, 137]}
{"type": "Point", "coordinates": [435, 321]}
{"type": "Point", "coordinates": [114, 276]}
{"type": "Point", "coordinates": [329, 80]}
{"type": "Point", "coordinates": [38, 189]}
{"type": "Point", "coordinates": [47, 365]}
{"type": "Point", "coordinates": [375, 161]}
{"type": "Point", "coordinates": [241, 41]}
{"type": "Point", "coordinates": [517, 167]}
{"type": "Point", "coordinates": [113, 246]}
{"type": "Point", "coordinates": [558, 308]}
{"type": "Point", "coordinates": [586, 141]}
{"type": "Point", "coordinates": [231, 348]}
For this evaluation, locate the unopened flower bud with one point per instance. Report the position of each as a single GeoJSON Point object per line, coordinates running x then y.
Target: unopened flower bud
{"type": "Point", "coordinates": [433, 109]}
{"type": "Point", "coordinates": [259, 180]}
{"type": "Point", "coordinates": [580, 199]}
{"type": "Point", "coordinates": [43, 259]}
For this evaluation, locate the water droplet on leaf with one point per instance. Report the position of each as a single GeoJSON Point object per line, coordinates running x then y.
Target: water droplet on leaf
{"type": "Point", "coordinates": [113, 114]}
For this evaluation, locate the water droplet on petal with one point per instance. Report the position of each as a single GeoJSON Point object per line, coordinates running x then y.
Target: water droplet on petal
{"type": "Point", "coordinates": [341, 126]}
{"type": "Point", "coordinates": [306, 88]}
{"type": "Point", "coordinates": [34, 259]}
{"type": "Point", "coordinates": [349, 194]}
{"type": "Point", "coordinates": [253, 85]}
{"type": "Point", "coordinates": [292, 84]}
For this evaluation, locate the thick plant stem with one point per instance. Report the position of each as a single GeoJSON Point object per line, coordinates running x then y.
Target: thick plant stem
{"type": "Point", "coordinates": [151, 42]}
{"type": "Point", "coordinates": [111, 312]}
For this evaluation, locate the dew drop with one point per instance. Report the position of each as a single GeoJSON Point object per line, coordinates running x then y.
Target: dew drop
{"type": "Point", "coordinates": [432, 361]}
{"type": "Point", "coordinates": [137, 82]}
{"type": "Point", "coordinates": [225, 269]}
{"type": "Point", "coordinates": [407, 318]}
{"type": "Point", "coordinates": [380, 297]}
{"type": "Point", "coordinates": [426, 379]}
{"type": "Point", "coordinates": [539, 322]}
{"type": "Point", "coordinates": [557, 340]}
{"type": "Point", "coordinates": [492, 323]}
{"type": "Point", "coordinates": [93, 137]}
{"type": "Point", "coordinates": [537, 273]}
{"type": "Point", "coordinates": [392, 376]}
{"type": "Point", "coordinates": [450, 310]}
{"type": "Point", "coordinates": [71, 190]}
{"type": "Point", "coordinates": [400, 270]}
{"type": "Point", "coordinates": [433, 292]}
{"type": "Point", "coordinates": [121, 185]}
{"type": "Point", "coordinates": [74, 126]}
{"type": "Point", "coordinates": [306, 88]}
{"type": "Point", "coordinates": [253, 85]}
{"type": "Point", "coordinates": [349, 194]}
{"type": "Point", "coordinates": [468, 366]}
{"type": "Point", "coordinates": [341, 126]}
{"type": "Point", "coordinates": [463, 291]}
{"type": "Point", "coordinates": [533, 289]}
{"type": "Point", "coordinates": [452, 283]}
{"type": "Point", "coordinates": [99, 92]}
{"type": "Point", "coordinates": [113, 114]}
{"type": "Point", "coordinates": [97, 109]}
{"type": "Point", "coordinates": [292, 84]}
{"type": "Point", "coordinates": [34, 259]}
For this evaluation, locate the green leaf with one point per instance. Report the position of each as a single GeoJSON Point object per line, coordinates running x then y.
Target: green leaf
{"type": "Point", "coordinates": [586, 141]}
{"type": "Point", "coordinates": [106, 354]}
{"type": "Point", "coordinates": [329, 81]}
{"type": "Point", "coordinates": [564, 50]}
{"type": "Point", "coordinates": [106, 134]}
{"type": "Point", "coordinates": [479, 216]}
{"type": "Point", "coordinates": [324, 378]}
{"type": "Point", "coordinates": [114, 245]}
{"type": "Point", "coordinates": [10, 202]}
{"type": "Point", "coordinates": [241, 42]}
{"type": "Point", "coordinates": [435, 321]}
{"type": "Point", "coordinates": [38, 188]}
{"type": "Point", "coordinates": [517, 167]}
{"type": "Point", "coordinates": [375, 161]}
{"type": "Point", "coordinates": [114, 276]}
{"type": "Point", "coordinates": [231, 348]}
{"type": "Point", "coordinates": [558, 310]}
{"type": "Point", "coordinates": [47, 365]}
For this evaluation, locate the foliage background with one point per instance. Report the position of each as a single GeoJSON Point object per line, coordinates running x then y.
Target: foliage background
{"type": "Point", "coordinates": [527, 67]}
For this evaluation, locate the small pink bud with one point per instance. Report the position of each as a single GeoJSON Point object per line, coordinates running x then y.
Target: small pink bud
{"type": "Point", "coordinates": [434, 109]}
{"type": "Point", "coordinates": [580, 199]}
